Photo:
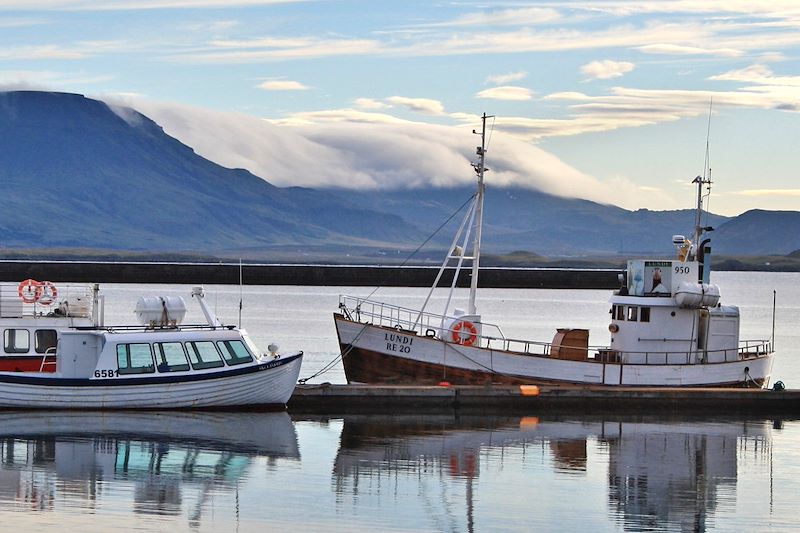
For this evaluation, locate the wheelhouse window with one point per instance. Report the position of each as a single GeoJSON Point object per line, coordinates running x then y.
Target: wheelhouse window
{"type": "Point", "coordinates": [620, 312]}
{"type": "Point", "coordinates": [135, 358]}
{"type": "Point", "coordinates": [632, 312]}
{"type": "Point", "coordinates": [234, 352]}
{"type": "Point", "coordinates": [170, 357]}
{"type": "Point", "coordinates": [644, 314]}
{"type": "Point", "coordinates": [44, 339]}
{"type": "Point", "coordinates": [17, 341]}
{"type": "Point", "coordinates": [203, 354]}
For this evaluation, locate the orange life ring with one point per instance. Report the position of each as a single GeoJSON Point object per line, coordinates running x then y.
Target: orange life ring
{"type": "Point", "coordinates": [49, 293]}
{"type": "Point", "coordinates": [465, 333]}
{"type": "Point", "coordinates": [29, 291]}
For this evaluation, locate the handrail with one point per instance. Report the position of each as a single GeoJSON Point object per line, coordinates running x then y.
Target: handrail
{"type": "Point", "coordinates": [394, 316]}
{"type": "Point", "coordinates": [49, 351]}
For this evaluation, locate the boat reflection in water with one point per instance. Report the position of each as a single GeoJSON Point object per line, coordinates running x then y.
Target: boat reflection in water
{"type": "Point", "coordinates": [662, 475]}
{"type": "Point", "coordinates": [158, 456]}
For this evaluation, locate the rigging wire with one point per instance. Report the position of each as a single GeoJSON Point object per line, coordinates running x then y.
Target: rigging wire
{"type": "Point", "coordinates": [707, 164]}
{"type": "Point", "coordinates": [491, 130]}
{"type": "Point", "coordinates": [426, 241]}
{"type": "Point", "coordinates": [328, 366]}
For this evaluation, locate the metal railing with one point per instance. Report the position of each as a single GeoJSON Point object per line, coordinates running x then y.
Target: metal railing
{"type": "Point", "coordinates": [430, 325]}
{"type": "Point", "coordinates": [32, 298]}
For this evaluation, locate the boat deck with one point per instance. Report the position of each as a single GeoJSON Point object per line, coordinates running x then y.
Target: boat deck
{"type": "Point", "coordinates": [502, 399]}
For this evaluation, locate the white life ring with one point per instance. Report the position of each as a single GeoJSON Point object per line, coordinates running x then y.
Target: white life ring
{"type": "Point", "coordinates": [465, 333]}
{"type": "Point", "coordinates": [29, 291]}
{"type": "Point", "coordinates": [49, 292]}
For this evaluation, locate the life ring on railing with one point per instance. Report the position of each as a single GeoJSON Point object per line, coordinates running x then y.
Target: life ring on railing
{"type": "Point", "coordinates": [49, 293]}
{"type": "Point", "coordinates": [29, 291]}
{"type": "Point", "coordinates": [465, 333]}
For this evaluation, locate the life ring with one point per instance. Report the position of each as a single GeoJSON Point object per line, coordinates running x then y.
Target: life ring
{"type": "Point", "coordinates": [48, 294]}
{"type": "Point", "coordinates": [29, 291]}
{"type": "Point", "coordinates": [465, 333]}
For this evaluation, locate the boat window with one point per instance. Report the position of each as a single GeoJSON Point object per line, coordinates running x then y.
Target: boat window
{"type": "Point", "coordinates": [644, 314]}
{"type": "Point", "coordinates": [632, 313]}
{"type": "Point", "coordinates": [620, 312]}
{"type": "Point", "coordinates": [17, 340]}
{"type": "Point", "coordinates": [234, 352]}
{"type": "Point", "coordinates": [203, 354]}
{"type": "Point", "coordinates": [171, 357]}
{"type": "Point", "coordinates": [44, 339]}
{"type": "Point", "coordinates": [135, 358]}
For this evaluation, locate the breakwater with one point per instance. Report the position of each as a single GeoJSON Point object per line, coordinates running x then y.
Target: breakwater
{"type": "Point", "coordinates": [302, 274]}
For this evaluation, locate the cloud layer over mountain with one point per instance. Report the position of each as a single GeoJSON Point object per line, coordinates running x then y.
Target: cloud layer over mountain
{"type": "Point", "coordinates": [363, 150]}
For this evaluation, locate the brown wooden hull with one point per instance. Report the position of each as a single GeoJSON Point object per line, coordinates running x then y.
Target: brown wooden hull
{"type": "Point", "coordinates": [367, 366]}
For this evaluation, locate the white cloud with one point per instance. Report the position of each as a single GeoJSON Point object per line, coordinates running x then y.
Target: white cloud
{"type": "Point", "coordinates": [40, 52]}
{"type": "Point", "coordinates": [506, 92]}
{"type": "Point", "coordinates": [502, 79]}
{"type": "Point", "coordinates": [282, 85]}
{"type": "Point", "coordinates": [94, 5]}
{"type": "Point", "coordinates": [370, 103]}
{"type": "Point", "coordinates": [504, 17]}
{"type": "Point", "coordinates": [607, 69]}
{"type": "Point", "coordinates": [678, 49]}
{"type": "Point", "coordinates": [768, 192]}
{"type": "Point", "coordinates": [419, 105]}
{"type": "Point", "coordinates": [275, 49]}
{"type": "Point", "coordinates": [760, 74]}
{"type": "Point", "coordinates": [353, 149]}
{"type": "Point", "coordinates": [46, 80]}
{"type": "Point", "coordinates": [20, 22]}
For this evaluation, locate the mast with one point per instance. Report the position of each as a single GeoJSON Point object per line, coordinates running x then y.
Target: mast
{"type": "Point", "coordinates": [480, 169]}
{"type": "Point", "coordinates": [700, 181]}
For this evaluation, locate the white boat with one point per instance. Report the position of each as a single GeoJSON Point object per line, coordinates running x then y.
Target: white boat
{"type": "Point", "coordinates": [667, 328]}
{"type": "Point", "coordinates": [158, 364]}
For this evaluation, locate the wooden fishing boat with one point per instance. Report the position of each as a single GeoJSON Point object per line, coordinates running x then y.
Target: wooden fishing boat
{"type": "Point", "coordinates": [667, 328]}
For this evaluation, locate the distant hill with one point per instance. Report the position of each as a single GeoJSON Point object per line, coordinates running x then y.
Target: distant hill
{"type": "Point", "coordinates": [523, 219]}
{"type": "Point", "coordinates": [75, 173]}
{"type": "Point", "coordinates": [759, 232]}
{"type": "Point", "coordinates": [79, 175]}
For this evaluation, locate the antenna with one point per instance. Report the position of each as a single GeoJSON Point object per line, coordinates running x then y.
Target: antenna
{"type": "Point", "coordinates": [699, 228]}
{"type": "Point", "coordinates": [240, 293]}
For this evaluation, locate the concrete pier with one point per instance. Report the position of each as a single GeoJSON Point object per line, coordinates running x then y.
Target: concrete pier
{"type": "Point", "coordinates": [344, 399]}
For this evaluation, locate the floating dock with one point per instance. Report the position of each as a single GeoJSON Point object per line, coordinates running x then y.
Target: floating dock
{"type": "Point", "coordinates": [504, 399]}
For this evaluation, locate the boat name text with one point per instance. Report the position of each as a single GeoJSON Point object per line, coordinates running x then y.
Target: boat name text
{"type": "Point", "coordinates": [398, 343]}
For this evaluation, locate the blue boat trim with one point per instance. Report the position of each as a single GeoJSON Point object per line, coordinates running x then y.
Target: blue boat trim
{"type": "Point", "coordinates": [22, 378]}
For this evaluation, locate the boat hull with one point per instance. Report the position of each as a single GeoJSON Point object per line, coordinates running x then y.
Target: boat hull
{"type": "Point", "coordinates": [266, 384]}
{"type": "Point", "coordinates": [376, 354]}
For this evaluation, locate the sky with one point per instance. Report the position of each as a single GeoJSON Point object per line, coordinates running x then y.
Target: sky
{"type": "Point", "coordinates": [606, 100]}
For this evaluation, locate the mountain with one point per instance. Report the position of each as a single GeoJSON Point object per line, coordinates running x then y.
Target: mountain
{"type": "Point", "coordinates": [77, 173]}
{"type": "Point", "coordinates": [759, 232]}
{"type": "Point", "coordinates": [523, 219]}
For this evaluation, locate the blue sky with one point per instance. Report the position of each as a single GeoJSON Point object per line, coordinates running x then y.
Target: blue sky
{"type": "Point", "coordinates": [605, 100]}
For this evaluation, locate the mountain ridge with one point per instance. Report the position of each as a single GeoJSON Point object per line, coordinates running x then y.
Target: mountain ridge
{"type": "Point", "coordinates": [78, 173]}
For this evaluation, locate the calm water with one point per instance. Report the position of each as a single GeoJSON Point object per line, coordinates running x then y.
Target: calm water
{"type": "Point", "coordinates": [268, 471]}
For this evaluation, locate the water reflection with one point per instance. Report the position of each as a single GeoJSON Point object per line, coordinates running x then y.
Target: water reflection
{"type": "Point", "coordinates": [658, 475]}
{"type": "Point", "coordinates": [158, 457]}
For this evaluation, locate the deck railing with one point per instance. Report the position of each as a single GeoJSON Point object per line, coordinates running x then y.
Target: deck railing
{"type": "Point", "coordinates": [430, 325]}
{"type": "Point", "coordinates": [27, 299]}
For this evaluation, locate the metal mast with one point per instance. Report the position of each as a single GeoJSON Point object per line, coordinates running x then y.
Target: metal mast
{"type": "Point", "coordinates": [480, 169]}
{"type": "Point", "coordinates": [700, 181]}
